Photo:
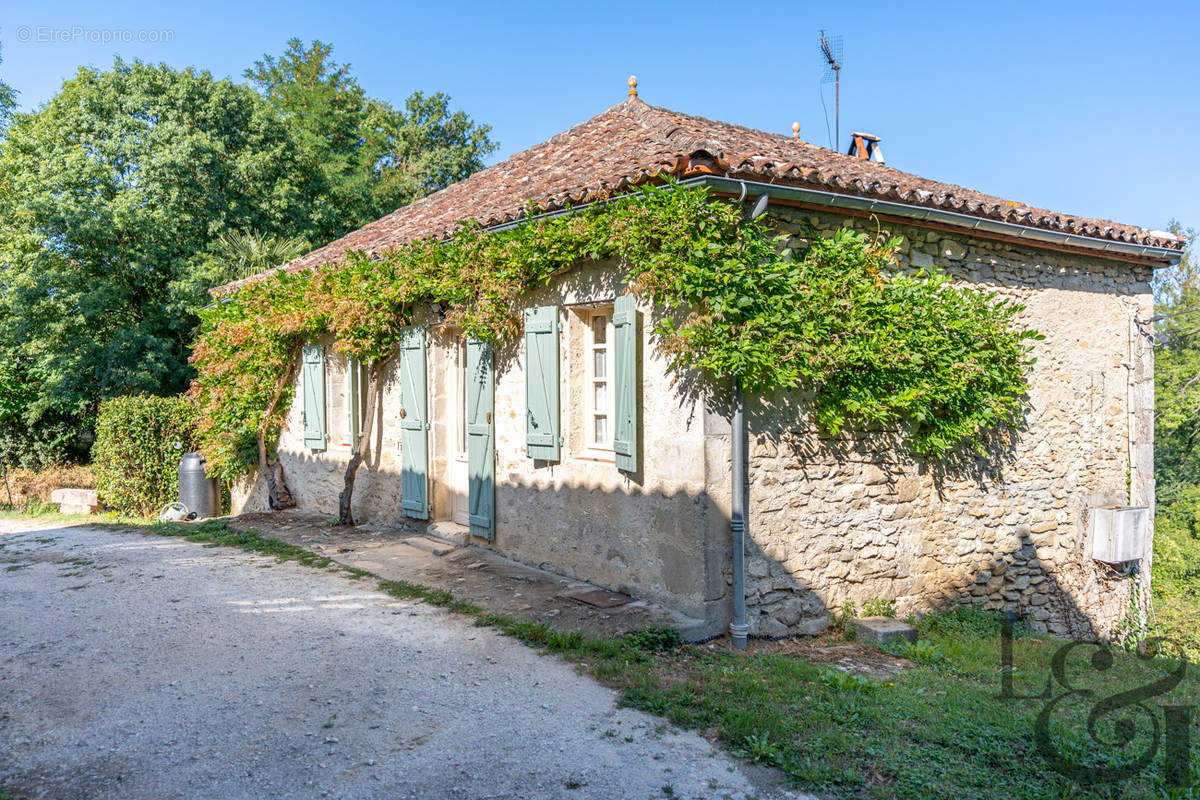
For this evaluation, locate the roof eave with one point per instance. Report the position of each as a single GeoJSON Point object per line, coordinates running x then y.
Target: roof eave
{"type": "Point", "coordinates": [966, 222]}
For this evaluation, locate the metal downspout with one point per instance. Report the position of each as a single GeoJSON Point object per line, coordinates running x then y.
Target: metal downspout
{"type": "Point", "coordinates": [738, 629]}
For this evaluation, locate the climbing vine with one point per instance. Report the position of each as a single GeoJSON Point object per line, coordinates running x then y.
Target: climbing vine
{"type": "Point", "coordinates": [872, 343]}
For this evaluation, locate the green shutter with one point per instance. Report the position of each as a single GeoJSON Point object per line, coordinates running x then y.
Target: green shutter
{"type": "Point", "coordinates": [625, 375]}
{"type": "Point", "coordinates": [353, 401]}
{"type": "Point", "coordinates": [481, 462]}
{"type": "Point", "coordinates": [313, 380]}
{"type": "Point", "coordinates": [541, 383]}
{"type": "Point", "coordinates": [414, 424]}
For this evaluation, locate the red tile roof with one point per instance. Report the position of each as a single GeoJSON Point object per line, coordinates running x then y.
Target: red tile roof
{"type": "Point", "coordinates": [633, 142]}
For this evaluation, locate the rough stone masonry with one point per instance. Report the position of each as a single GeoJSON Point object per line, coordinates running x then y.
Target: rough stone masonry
{"type": "Point", "coordinates": [831, 521]}
{"type": "Point", "coordinates": [850, 520]}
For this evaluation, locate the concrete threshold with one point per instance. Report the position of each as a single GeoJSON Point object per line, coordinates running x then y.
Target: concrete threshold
{"type": "Point", "coordinates": [431, 555]}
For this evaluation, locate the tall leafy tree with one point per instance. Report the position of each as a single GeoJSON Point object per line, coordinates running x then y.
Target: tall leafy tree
{"type": "Point", "coordinates": [1177, 449]}
{"type": "Point", "coordinates": [109, 192]}
{"type": "Point", "coordinates": [8, 104]}
{"type": "Point", "coordinates": [134, 190]}
{"type": "Point", "coordinates": [1177, 373]}
{"type": "Point", "coordinates": [369, 157]}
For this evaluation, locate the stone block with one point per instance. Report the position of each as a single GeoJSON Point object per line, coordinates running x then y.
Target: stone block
{"type": "Point", "coordinates": [952, 250]}
{"type": "Point", "coordinates": [921, 260]}
{"type": "Point", "coordinates": [76, 501]}
{"type": "Point", "coordinates": [881, 631]}
{"type": "Point", "coordinates": [908, 488]}
{"type": "Point", "coordinates": [873, 475]}
{"type": "Point", "coordinates": [77, 497]}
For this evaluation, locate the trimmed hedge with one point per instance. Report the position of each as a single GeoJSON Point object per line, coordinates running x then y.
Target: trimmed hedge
{"type": "Point", "coordinates": [139, 441]}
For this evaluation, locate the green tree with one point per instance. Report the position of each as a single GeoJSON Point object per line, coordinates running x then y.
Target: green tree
{"type": "Point", "coordinates": [1177, 374]}
{"type": "Point", "coordinates": [232, 255]}
{"type": "Point", "coordinates": [369, 158]}
{"type": "Point", "coordinates": [1176, 585]}
{"type": "Point", "coordinates": [108, 193]}
{"type": "Point", "coordinates": [8, 103]}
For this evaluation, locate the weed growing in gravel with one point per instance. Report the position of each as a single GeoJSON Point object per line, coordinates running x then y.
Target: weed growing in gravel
{"type": "Point", "coordinates": [654, 639]}
{"type": "Point", "coordinates": [879, 607]}
{"type": "Point", "coordinates": [216, 533]}
{"type": "Point", "coordinates": [921, 651]}
{"type": "Point", "coordinates": [404, 590]}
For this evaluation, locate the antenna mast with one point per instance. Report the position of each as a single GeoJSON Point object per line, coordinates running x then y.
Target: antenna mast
{"type": "Point", "coordinates": [831, 51]}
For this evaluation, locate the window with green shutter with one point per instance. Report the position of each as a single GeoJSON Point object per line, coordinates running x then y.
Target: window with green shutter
{"type": "Point", "coordinates": [625, 383]}
{"type": "Point", "coordinates": [541, 383]}
{"type": "Point", "coordinates": [312, 381]}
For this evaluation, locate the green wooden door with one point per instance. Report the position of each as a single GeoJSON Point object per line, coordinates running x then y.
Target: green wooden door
{"type": "Point", "coordinates": [541, 383]}
{"type": "Point", "coordinates": [481, 460]}
{"type": "Point", "coordinates": [313, 385]}
{"type": "Point", "coordinates": [414, 425]}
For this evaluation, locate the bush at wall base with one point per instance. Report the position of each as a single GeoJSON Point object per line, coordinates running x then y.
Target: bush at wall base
{"type": "Point", "coordinates": [139, 441]}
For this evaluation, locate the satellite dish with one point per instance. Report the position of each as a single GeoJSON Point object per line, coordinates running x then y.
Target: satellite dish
{"type": "Point", "coordinates": [760, 207]}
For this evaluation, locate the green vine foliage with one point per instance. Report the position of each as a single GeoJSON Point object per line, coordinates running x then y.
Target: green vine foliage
{"type": "Point", "coordinates": [872, 343]}
{"type": "Point", "coordinates": [139, 441]}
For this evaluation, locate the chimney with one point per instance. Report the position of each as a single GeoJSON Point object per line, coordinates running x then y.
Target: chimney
{"type": "Point", "coordinates": [866, 147]}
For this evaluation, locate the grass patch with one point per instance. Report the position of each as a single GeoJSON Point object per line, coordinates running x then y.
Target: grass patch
{"type": "Point", "coordinates": [1176, 584]}
{"type": "Point", "coordinates": [939, 730]}
{"type": "Point", "coordinates": [405, 590]}
{"type": "Point", "coordinates": [214, 532]}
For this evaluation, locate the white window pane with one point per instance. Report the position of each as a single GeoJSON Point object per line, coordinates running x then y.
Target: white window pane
{"type": "Point", "coordinates": [600, 401]}
{"type": "Point", "coordinates": [601, 430]}
{"type": "Point", "coordinates": [600, 329]}
{"type": "Point", "coordinates": [601, 368]}
{"type": "Point", "coordinates": [461, 355]}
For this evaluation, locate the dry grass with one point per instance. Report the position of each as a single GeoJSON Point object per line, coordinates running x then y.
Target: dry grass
{"type": "Point", "coordinates": [24, 485]}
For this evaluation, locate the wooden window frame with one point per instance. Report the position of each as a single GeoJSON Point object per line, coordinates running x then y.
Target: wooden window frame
{"type": "Point", "coordinates": [591, 381]}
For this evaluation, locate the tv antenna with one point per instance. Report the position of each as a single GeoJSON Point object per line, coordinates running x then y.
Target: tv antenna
{"type": "Point", "coordinates": [831, 51]}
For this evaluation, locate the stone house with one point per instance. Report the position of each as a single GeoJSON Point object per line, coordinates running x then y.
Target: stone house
{"type": "Point", "coordinates": [575, 449]}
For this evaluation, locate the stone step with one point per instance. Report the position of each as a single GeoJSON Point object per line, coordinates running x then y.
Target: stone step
{"type": "Point", "coordinates": [450, 531]}
{"type": "Point", "coordinates": [881, 631]}
{"type": "Point", "coordinates": [431, 545]}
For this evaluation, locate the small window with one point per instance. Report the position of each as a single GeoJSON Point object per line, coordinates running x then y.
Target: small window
{"type": "Point", "coordinates": [599, 420]}
{"type": "Point", "coordinates": [460, 358]}
{"type": "Point", "coordinates": [347, 395]}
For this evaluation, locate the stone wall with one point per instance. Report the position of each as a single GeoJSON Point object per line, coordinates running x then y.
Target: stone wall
{"type": "Point", "coordinates": [315, 478]}
{"type": "Point", "coordinates": [645, 533]}
{"type": "Point", "coordinates": [852, 519]}
{"type": "Point", "coordinates": [654, 534]}
{"type": "Point", "coordinates": [831, 521]}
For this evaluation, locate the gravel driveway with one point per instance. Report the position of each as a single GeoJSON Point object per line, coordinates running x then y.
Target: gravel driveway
{"type": "Point", "coordinates": [141, 667]}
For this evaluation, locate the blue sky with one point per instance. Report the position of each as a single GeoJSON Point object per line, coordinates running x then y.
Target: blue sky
{"type": "Point", "coordinates": [1087, 108]}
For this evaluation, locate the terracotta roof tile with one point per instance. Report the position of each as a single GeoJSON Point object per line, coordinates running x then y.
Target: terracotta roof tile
{"type": "Point", "coordinates": [633, 142]}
